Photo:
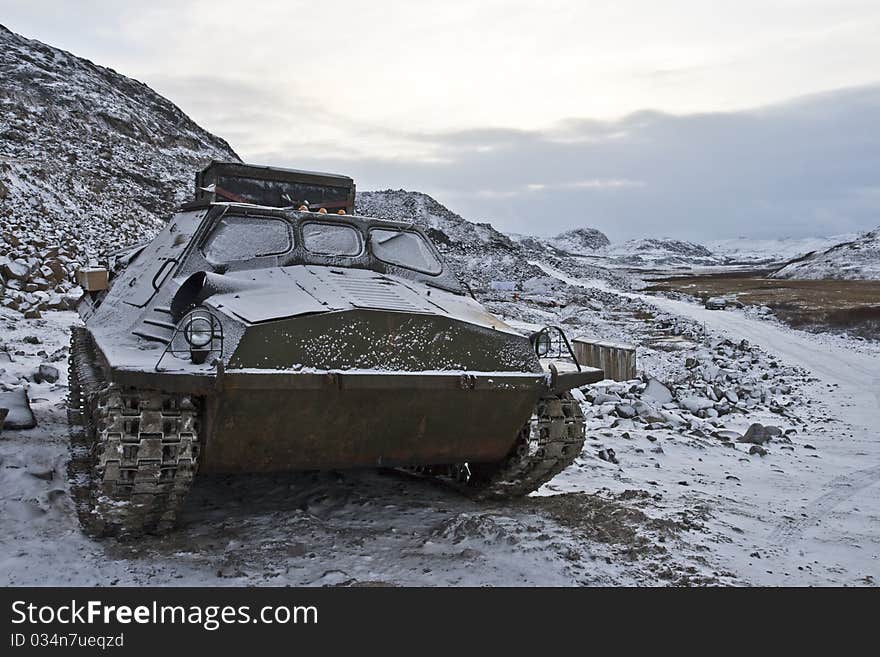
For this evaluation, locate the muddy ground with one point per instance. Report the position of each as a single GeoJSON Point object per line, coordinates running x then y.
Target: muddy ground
{"type": "Point", "coordinates": [851, 306]}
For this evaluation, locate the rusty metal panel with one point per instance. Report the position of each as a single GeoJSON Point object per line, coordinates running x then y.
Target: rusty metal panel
{"type": "Point", "coordinates": [618, 360]}
{"type": "Point", "coordinates": [383, 341]}
{"type": "Point", "coordinates": [278, 430]}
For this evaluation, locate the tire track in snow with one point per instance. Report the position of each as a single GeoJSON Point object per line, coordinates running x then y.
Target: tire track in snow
{"type": "Point", "coordinates": [841, 489]}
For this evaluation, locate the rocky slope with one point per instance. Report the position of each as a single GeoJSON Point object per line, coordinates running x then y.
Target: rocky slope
{"type": "Point", "coordinates": [743, 250]}
{"type": "Point", "coordinates": [90, 160]}
{"type": "Point", "coordinates": [853, 260]}
{"type": "Point", "coordinates": [661, 252]}
{"type": "Point", "coordinates": [477, 251]}
{"type": "Point", "coordinates": [578, 241]}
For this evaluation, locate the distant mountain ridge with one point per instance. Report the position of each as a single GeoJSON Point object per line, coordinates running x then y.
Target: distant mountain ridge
{"type": "Point", "coordinates": [853, 260]}
{"type": "Point", "coordinates": [577, 241]}
{"type": "Point", "coordinates": [770, 251]}
{"type": "Point", "coordinates": [661, 252]}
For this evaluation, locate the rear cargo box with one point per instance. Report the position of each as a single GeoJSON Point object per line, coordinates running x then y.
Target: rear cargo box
{"type": "Point", "coordinates": [271, 186]}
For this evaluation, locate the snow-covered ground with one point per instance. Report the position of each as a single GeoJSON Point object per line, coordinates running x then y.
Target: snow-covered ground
{"type": "Point", "coordinates": [679, 505]}
{"type": "Point", "coordinates": [663, 492]}
{"type": "Point", "coordinates": [805, 516]}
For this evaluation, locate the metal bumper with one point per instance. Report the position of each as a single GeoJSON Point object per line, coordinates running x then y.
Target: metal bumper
{"type": "Point", "coordinates": [310, 421]}
{"type": "Point", "coordinates": [206, 383]}
{"type": "Point", "coordinates": [264, 421]}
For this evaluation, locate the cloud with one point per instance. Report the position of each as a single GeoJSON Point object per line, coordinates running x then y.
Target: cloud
{"type": "Point", "coordinates": [805, 167]}
{"type": "Point", "coordinates": [435, 101]}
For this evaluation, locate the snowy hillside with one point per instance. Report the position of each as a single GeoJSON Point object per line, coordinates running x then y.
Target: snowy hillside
{"type": "Point", "coordinates": [853, 260]}
{"type": "Point", "coordinates": [661, 252]}
{"type": "Point", "coordinates": [90, 160]}
{"type": "Point", "coordinates": [442, 224]}
{"type": "Point", "coordinates": [760, 251]}
{"type": "Point", "coordinates": [579, 241]}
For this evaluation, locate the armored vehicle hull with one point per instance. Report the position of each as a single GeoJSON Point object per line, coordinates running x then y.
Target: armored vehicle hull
{"type": "Point", "coordinates": [250, 338]}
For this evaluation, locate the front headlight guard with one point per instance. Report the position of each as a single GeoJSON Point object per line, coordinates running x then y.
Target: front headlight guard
{"type": "Point", "coordinates": [551, 343]}
{"type": "Point", "coordinates": [198, 335]}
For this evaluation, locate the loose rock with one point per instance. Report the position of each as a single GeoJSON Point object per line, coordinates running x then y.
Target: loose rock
{"type": "Point", "coordinates": [657, 391]}
{"type": "Point", "coordinates": [756, 434]}
{"type": "Point", "coordinates": [46, 373]}
{"type": "Point", "coordinates": [19, 414]}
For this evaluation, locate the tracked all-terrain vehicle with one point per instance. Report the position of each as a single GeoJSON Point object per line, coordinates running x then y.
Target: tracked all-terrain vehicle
{"type": "Point", "coordinates": [268, 328]}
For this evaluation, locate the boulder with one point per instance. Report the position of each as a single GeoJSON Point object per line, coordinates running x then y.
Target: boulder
{"type": "Point", "coordinates": [657, 391]}
{"type": "Point", "coordinates": [696, 404]}
{"type": "Point", "coordinates": [710, 373]}
{"type": "Point", "coordinates": [756, 434]}
{"type": "Point", "coordinates": [608, 455]}
{"type": "Point", "coordinates": [13, 269]}
{"type": "Point", "coordinates": [46, 374]}
{"type": "Point", "coordinates": [603, 398]}
{"type": "Point", "coordinates": [671, 418]}
{"type": "Point", "coordinates": [19, 414]}
{"type": "Point", "coordinates": [56, 302]}
{"type": "Point", "coordinates": [625, 411]}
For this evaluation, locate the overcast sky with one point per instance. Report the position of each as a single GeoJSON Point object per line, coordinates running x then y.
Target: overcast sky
{"type": "Point", "coordinates": [682, 118]}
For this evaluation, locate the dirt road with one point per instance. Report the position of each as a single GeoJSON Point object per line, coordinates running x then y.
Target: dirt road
{"type": "Point", "coordinates": [817, 519]}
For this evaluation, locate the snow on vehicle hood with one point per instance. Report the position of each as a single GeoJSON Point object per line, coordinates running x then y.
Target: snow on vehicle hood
{"type": "Point", "coordinates": [263, 295]}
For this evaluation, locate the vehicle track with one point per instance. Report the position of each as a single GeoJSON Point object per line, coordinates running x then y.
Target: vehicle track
{"type": "Point", "coordinates": [840, 489]}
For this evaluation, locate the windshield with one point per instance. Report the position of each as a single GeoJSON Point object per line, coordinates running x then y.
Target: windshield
{"type": "Point", "coordinates": [404, 248]}
{"type": "Point", "coordinates": [331, 239]}
{"type": "Point", "coordinates": [243, 238]}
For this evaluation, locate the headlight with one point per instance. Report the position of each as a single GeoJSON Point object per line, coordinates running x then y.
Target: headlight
{"type": "Point", "coordinates": [198, 335]}
{"type": "Point", "coordinates": [199, 332]}
{"type": "Point", "coordinates": [543, 344]}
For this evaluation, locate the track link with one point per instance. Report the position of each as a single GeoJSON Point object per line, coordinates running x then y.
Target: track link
{"type": "Point", "coordinates": [133, 453]}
